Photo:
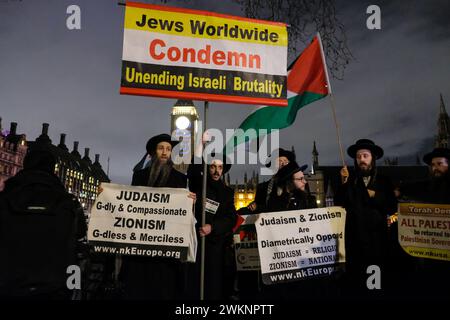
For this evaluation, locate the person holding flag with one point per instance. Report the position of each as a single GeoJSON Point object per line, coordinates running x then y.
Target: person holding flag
{"type": "Point", "coordinates": [368, 197]}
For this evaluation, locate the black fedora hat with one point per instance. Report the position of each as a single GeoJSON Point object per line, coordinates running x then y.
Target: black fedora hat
{"type": "Point", "coordinates": [377, 152]}
{"type": "Point", "coordinates": [219, 156]}
{"type": "Point", "coordinates": [153, 142]}
{"type": "Point", "coordinates": [290, 169]}
{"type": "Point", "coordinates": [288, 154]}
{"type": "Point", "coordinates": [436, 153]}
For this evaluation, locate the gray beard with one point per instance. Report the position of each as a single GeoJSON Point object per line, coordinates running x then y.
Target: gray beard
{"type": "Point", "coordinates": [159, 173]}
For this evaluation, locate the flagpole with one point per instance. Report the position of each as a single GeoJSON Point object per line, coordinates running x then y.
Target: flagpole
{"type": "Point", "coordinates": [331, 100]}
{"type": "Point", "coordinates": [203, 239]}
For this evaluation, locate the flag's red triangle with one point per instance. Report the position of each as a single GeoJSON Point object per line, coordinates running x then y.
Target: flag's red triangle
{"type": "Point", "coordinates": [308, 72]}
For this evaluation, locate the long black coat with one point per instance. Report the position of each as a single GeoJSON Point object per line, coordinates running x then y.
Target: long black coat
{"type": "Point", "coordinates": [427, 277]}
{"type": "Point", "coordinates": [224, 219]}
{"type": "Point", "coordinates": [154, 278]}
{"type": "Point", "coordinates": [261, 198]}
{"type": "Point", "coordinates": [366, 232]}
{"type": "Point", "coordinates": [311, 288]}
{"type": "Point", "coordinates": [36, 246]}
{"type": "Point", "coordinates": [427, 191]}
{"type": "Point", "coordinates": [222, 223]}
{"type": "Point", "coordinates": [296, 200]}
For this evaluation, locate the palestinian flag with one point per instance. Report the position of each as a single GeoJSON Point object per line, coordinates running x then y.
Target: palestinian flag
{"type": "Point", "coordinates": [306, 83]}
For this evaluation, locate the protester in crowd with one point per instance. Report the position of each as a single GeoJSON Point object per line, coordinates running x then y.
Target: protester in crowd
{"type": "Point", "coordinates": [438, 161]}
{"type": "Point", "coordinates": [426, 277]}
{"type": "Point", "coordinates": [220, 215]}
{"type": "Point", "coordinates": [369, 200]}
{"type": "Point", "coordinates": [250, 282]}
{"type": "Point", "coordinates": [436, 189]}
{"type": "Point", "coordinates": [264, 189]}
{"type": "Point", "coordinates": [292, 192]}
{"type": "Point", "coordinates": [42, 227]}
{"type": "Point", "coordinates": [155, 278]}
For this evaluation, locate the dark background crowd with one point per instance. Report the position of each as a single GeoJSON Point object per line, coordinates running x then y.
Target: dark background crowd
{"type": "Point", "coordinates": [43, 230]}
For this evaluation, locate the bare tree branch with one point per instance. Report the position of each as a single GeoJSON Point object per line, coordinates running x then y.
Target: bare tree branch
{"type": "Point", "coordinates": [305, 18]}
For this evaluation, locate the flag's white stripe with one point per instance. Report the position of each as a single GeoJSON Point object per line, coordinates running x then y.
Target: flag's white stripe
{"type": "Point", "coordinates": [137, 42]}
{"type": "Point", "coordinates": [290, 94]}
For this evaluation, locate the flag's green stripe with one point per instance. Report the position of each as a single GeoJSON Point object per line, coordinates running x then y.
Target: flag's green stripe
{"type": "Point", "coordinates": [279, 117]}
{"type": "Point", "coordinates": [274, 117]}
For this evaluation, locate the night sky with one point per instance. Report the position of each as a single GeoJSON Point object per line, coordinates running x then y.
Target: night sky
{"type": "Point", "coordinates": [71, 79]}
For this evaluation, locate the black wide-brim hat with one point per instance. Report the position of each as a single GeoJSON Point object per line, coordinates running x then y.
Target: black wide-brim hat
{"type": "Point", "coordinates": [436, 153]}
{"type": "Point", "coordinates": [282, 153]}
{"type": "Point", "coordinates": [377, 152]}
{"type": "Point", "coordinates": [219, 156]}
{"type": "Point", "coordinates": [153, 142]}
{"type": "Point", "coordinates": [290, 169]}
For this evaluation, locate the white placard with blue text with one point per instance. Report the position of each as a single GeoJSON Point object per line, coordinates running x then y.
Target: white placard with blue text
{"type": "Point", "coordinates": [300, 244]}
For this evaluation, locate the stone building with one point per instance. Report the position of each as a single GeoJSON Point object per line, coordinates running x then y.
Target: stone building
{"type": "Point", "coordinates": [80, 175]}
{"type": "Point", "coordinates": [13, 147]}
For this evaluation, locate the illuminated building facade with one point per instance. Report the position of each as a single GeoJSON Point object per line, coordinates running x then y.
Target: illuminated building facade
{"type": "Point", "coordinates": [79, 175]}
{"type": "Point", "coordinates": [13, 148]}
{"type": "Point", "coordinates": [245, 193]}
